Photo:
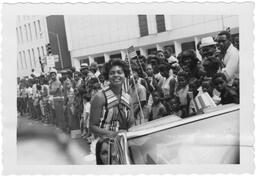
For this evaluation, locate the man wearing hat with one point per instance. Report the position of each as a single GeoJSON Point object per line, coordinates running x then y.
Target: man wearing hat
{"type": "Point", "coordinates": [94, 69]}
{"type": "Point", "coordinates": [208, 48]}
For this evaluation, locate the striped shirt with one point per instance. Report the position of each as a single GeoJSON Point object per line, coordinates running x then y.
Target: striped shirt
{"type": "Point", "coordinates": [116, 112]}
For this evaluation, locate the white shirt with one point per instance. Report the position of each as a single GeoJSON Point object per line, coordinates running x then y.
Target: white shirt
{"type": "Point", "coordinates": [172, 59]}
{"type": "Point", "coordinates": [231, 62]}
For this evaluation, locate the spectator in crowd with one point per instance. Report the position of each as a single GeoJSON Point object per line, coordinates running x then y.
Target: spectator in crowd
{"type": "Point", "coordinates": [173, 107]}
{"type": "Point", "coordinates": [194, 84]}
{"type": "Point", "coordinates": [168, 55]}
{"type": "Point", "coordinates": [158, 109]}
{"type": "Point", "coordinates": [236, 42]}
{"type": "Point", "coordinates": [77, 80]}
{"type": "Point", "coordinates": [154, 63]}
{"type": "Point", "coordinates": [111, 108]}
{"type": "Point", "coordinates": [84, 122]}
{"type": "Point", "coordinates": [160, 56]}
{"type": "Point", "coordinates": [55, 89]}
{"type": "Point", "coordinates": [169, 80]}
{"type": "Point", "coordinates": [227, 94]}
{"type": "Point", "coordinates": [94, 69]}
{"type": "Point", "coordinates": [151, 82]}
{"type": "Point", "coordinates": [71, 122]}
{"type": "Point", "coordinates": [138, 96]}
{"type": "Point", "coordinates": [235, 85]}
{"type": "Point", "coordinates": [181, 91]}
{"type": "Point", "coordinates": [211, 66]}
{"type": "Point", "coordinates": [45, 100]}
{"type": "Point", "coordinates": [229, 55]}
{"type": "Point", "coordinates": [190, 63]}
{"type": "Point", "coordinates": [207, 86]}
{"type": "Point", "coordinates": [208, 48]}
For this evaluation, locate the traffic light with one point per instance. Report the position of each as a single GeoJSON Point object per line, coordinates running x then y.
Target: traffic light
{"type": "Point", "coordinates": [49, 49]}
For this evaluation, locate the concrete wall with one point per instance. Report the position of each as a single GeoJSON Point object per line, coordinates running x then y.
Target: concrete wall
{"type": "Point", "coordinates": [92, 36]}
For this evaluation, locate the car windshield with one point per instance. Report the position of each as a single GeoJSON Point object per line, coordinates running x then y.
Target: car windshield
{"type": "Point", "coordinates": [211, 140]}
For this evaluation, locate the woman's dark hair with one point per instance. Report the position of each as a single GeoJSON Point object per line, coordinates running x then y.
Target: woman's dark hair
{"type": "Point", "coordinates": [190, 53]}
{"type": "Point", "coordinates": [115, 62]}
{"type": "Point", "coordinates": [98, 149]}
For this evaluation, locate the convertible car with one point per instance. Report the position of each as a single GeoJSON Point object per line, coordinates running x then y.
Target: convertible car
{"type": "Point", "coordinates": [209, 138]}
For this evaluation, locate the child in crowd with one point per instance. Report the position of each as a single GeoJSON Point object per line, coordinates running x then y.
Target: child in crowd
{"type": "Point", "coordinates": [193, 86]}
{"type": "Point", "coordinates": [227, 95]}
{"type": "Point", "coordinates": [207, 86]}
{"type": "Point", "coordinates": [84, 123]}
{"type": "Point", "coordinates": [158, 109]}
{"type": "Point", "coordinates": [173, 107]}
{"type": "Point", "coordinates": [181, 91]}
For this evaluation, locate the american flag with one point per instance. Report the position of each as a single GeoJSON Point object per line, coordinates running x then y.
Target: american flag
{"type": "Point", "coordinates": [131, 52]}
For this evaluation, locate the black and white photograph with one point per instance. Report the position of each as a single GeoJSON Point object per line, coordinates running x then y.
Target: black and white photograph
{"type": "Point", "coordinates": [145, 88]}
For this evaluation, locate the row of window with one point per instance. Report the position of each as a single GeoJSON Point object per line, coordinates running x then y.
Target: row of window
{"type": "Point", "coordinates": [29, 59]}
{"type": "Point", "coordinates": [29, 32]}
{"type": "Point", "coordinates": [143, 24]}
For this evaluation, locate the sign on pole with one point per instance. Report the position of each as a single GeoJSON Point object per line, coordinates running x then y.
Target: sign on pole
{"type": "Point", "coordinates": [56, 58]}
{"type": "Point", "coordinates": [50, 61]}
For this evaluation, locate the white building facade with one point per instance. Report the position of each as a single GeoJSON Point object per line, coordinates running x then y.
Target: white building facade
{"type": "Point", "coordinates": [99, 38]}
{"type": "Point", "coordinates": [32, 37]}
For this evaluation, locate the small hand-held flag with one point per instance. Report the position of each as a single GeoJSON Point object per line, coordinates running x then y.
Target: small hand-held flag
{"type": "Point", "coordinates": [131, 52]}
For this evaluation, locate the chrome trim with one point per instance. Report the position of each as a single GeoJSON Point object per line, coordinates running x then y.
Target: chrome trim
{"type": "Point", "coordinates": [125, 146]}
{"type": "Point", "coordinates": [133, 134]}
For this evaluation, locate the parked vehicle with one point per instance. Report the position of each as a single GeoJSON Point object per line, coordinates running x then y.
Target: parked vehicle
{"type": "Point", "coordinates": [209, 138]}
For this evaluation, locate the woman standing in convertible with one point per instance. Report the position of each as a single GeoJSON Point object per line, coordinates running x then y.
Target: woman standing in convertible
{"type": "Point", "coordinates": [111, 109]}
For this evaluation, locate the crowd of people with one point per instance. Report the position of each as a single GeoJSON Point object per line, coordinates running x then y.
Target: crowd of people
{"type": "Point", "coordinates": [104, 100]}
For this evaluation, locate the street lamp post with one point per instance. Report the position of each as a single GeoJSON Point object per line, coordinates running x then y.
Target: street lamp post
{"type": "Point", "coordinates": [58, 41]}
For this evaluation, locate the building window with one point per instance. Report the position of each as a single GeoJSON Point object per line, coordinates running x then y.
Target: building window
{"type": "Point", "coordinates": [25, 60]}
{"type": "Point", "coordinates": [21, 35]}
{"type": "Point", "coordinates": [26, 32]}
{"type": "Point", "coordinates": [160, 23]}
{"type": "Point", "coordinates": [34, 57]}
{"type": "Point", "coordinates": [38, 52]}
{"type": "Point", "coordinates": [188, 45]}
{"type": "Point", "coordinates": [35, 30]}
{"type": "Point", "coordinates": [17, 34]}
{"type": "Point", "coordinates": [114, 56]}
{"type": "Point", "coordinates": [143, 25]}
{"type": "Point", "coordinates": [39, 28]}
{"type": "Point", "coordinates": [152, 51]}
{"type": "Point", "coordinates": [30, 32]}
{"type": "Point", "coordinates": [43, 53]}
{"type": "Point", "coordinates": [99, 60]}
{"type": "Point", "coordinates": [30, 58]}
{"type": "Point", "coordinates": [20, 59]}
{"type": "Point", "coordinates": [84, 61]}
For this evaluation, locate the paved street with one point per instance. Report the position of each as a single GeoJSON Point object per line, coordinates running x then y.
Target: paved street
{"type": "Point", "coordinates": [48, 141]}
